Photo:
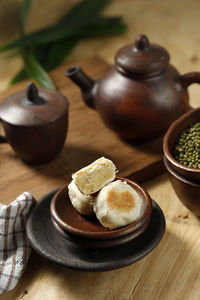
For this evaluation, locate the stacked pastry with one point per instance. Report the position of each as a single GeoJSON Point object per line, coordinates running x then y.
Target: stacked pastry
{"type": "Point", "coordinates": [95, 190]}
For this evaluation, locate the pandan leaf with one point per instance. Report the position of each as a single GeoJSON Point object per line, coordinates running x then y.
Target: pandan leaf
{"type": "Point", "coordinates": [21, 75]}
{"type": "Point", "coordinates": [59, 51]}
{"type": "Point", "coordinates": [72, 30]}
{"type": "Point", "coordinates": [26, 5]}
{"type": "Point", "coordinates": [36, 71]}
{"type": "Point", "coordinates": [86, 8]}
{"type": "Point", "coordinates": [52, 51]}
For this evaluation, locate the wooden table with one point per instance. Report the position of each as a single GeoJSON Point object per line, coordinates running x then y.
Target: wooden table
{"type": "Point", "coordinates": [172, 270]}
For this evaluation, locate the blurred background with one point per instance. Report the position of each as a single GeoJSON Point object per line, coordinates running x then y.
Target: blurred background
{"type": "Point", "coordinates": [173, 24]}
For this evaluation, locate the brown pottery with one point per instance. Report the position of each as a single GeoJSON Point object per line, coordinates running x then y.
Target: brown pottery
{"type": "Point", "coordinates": [65, 215]}
{"type": "Point", "coordinates": [99, 243]}
{"type": "Point", "coordinates": [187, 191]}
{"type": "Point", "coordinates": [50, 244]}
{"type": "Point", "coordinates": [170, 138]}
{"type": "Point", "coordinates": [141, 95]}
{"type": "Point", "coordinates": [35, 122]}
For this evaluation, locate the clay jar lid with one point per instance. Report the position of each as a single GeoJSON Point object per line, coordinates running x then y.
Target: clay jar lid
{"type": "Point", "coordinates": [33, 107]}
{"type": "Point", "coordinates": [142, 58]}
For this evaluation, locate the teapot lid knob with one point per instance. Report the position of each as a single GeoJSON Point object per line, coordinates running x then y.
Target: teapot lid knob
{"type": "Point", "coordinates": [142, 59]}
{"type": "Point", "coordinates": [141, 43]}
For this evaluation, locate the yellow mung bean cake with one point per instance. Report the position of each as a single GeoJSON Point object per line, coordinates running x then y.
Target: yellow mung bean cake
{"type": "Point", "coordinates": [81, 202]}
{"type": "Point", "coordinates": [117, 204]}
{"type": "Point", "coordinates": [92, 178]}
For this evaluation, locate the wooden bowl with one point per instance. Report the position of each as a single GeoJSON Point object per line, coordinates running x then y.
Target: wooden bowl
{"type": "Point", "coordinates": [186, 190]}
{"type": "Point", "coordinates": [170, 138]}
{"type": "Point", "coordinates": [71, 221]}
{"type": "Point", "coordinates": [99, 244]}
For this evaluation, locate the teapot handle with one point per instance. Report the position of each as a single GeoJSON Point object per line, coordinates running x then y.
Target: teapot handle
{"type": "Point", "coordinates": [3, 138]}
{"type": "Point", "coordinates": [190, 78]}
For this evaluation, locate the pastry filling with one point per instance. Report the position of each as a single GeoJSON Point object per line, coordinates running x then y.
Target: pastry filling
{"type": "Point", "coordinates": [123, 201]}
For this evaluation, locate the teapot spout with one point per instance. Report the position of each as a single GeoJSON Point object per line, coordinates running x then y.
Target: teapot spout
{"type": "Point", "coordinates": [86, 84]}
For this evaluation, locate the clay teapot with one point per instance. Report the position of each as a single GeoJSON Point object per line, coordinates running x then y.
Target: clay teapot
{"type": "Point", "coordinates": [141, 95]}
{"type": "Point", "coordinates": [35, 122]}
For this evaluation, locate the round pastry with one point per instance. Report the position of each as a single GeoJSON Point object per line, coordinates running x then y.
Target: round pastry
{"type": "Point", "coordinates": [117, 205]}
{"type": "Point", "coordinates": [81, 202]}
{"type": "Point", "coordinates": [92, 178]}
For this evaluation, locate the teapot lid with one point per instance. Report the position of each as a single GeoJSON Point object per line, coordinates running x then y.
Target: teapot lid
{"type": "Point", "coordinates": [142, 58]}
{"type": "Point", "coordinates": [33, 106]}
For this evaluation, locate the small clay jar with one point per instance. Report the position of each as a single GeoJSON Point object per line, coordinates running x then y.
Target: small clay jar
{"type": "Point", "coordinates": [35, 122]}
{"type": "Point", "coordinates": [141, 95]}
{"type": "Point", "coordinates": [169, 141]}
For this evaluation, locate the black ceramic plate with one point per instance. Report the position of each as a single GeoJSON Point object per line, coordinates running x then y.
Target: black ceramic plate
{"type": "Point", "coordinates": [45, 239]}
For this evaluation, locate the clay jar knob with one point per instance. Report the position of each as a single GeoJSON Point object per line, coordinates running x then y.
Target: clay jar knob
{"type": "Point", "coordinates": [33, 97]}
{"type": "Point", "coordinates": [35, 122]}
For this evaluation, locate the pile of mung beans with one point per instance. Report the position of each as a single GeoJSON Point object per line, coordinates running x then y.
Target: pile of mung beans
{"type": "Point", "coordinates": [187, 146]}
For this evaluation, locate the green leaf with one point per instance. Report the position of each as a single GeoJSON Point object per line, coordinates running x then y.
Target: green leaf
{"type": "Point", "coordinates": [51, 54]}
{"type": "Point", "coordinates": [36, 71]}
{"type": "Point", "coordinates": [83, 28]}
{"type": "Point", "coordinates": [102, 29]}
{"type": "Point", "coordinates": [52, 61]}
{"type": "Point", "coordinates": [26, 5]}
{"type": "Point", "coordinates": [21, 75]}
{"type": "Point", "coordinates": [58, 52]}
{"type": "Point", "coordinates": [87, 8]}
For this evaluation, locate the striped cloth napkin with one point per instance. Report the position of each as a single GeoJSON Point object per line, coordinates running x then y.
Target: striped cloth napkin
{"type": "Point", "coordinates": [14, 246]}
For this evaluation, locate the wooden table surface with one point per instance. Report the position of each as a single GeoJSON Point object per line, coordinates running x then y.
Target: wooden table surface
{"type": "Point", "coordinates": [172, 270]}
